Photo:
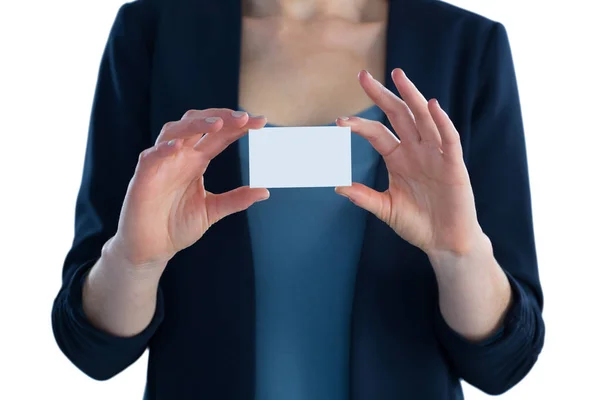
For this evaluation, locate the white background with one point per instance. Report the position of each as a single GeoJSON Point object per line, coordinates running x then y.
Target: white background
{"type": "Point", "coordinates": [49, 55]}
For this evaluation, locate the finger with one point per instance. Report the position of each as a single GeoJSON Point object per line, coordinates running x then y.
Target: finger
{"type": "Point", "coordinates": [229, 117]}
{"type": "Point", "coordinates": [232, 120]}
{"type": "Point", "coordinates": [396, 110]}
{"type": "Point", "coordinates": [151, 159]}
{"type": "Point", "coordinates": [375, 202]}
{"type": "Point", "coordinates": [192, 124]}
{"type": "Point", "coordinates": [380, 137]}
{"type": "Point", "coordinates": [418, 105]}
{"type": "Point", "coordinates": [220, 206]}
{"type": "Point", "coordinates": [212, 144]}
{"type": "Point", "coordinates": [190, 129]}
{"type": "Point", "coordinates": [451, 145]}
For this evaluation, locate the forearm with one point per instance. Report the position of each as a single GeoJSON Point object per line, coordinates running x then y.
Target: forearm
{"type": "Point", "coordinates": [120, 298]}
{"type": "Point", "coordinates": [474, 292]}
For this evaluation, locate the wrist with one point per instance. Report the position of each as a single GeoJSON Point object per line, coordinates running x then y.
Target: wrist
{"type": "Point", "coordinates": [474, 291]}
{"type": "Point", "coordinates": [118, 250]}
{"type": "Point", "coordinates": [449, 264]}
{"type": "Point", "coordinates": [118, 297]}
{"type": "Point", "coordinates": [115, 261]}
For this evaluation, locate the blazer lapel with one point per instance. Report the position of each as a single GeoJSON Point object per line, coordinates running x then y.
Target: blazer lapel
{"type": "Point", "coordinates": [379, 251]}
{"type": "Point", "coordinates": [204, 38]}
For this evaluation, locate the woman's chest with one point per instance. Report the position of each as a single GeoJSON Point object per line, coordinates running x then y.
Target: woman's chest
{"type": "Point", "coordinates": [305, 73]}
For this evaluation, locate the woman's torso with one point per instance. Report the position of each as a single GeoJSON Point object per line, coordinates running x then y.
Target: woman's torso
{"type": "Point", "coordinates": [207, 343]}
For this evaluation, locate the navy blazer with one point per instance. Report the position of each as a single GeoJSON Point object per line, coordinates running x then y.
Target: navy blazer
{"type": "Point", "coordinates": [201, 339]}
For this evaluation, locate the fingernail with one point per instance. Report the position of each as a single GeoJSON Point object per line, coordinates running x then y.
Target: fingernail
{"type": "Point", "coordinates": [171, 142]}
{"type": "Point", "coordinates": [265, 197]}
{"type": "Point", "coordinates": [344, 118]}
{"type": "Point", "coordinates": [337, 190]}
{"type": "Point", "coordinates": [211, 120]}
{"type": "Point", "coordinates": [238, 114]}
{"type": "Point", "coordinates": [258, 116]}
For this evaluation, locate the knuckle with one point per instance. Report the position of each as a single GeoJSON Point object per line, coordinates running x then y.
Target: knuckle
{"type": "Point", "coordinates": [164, 132]}
{"type": "Point", "coordinates": [190, 114]}
{"type": "Point", "coordinates": [144, 154]}
{"type": "Point", "coordinates": [168, 126]}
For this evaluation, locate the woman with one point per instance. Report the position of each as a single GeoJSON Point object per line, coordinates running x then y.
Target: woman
{"type": "Point", "coordinates": [398, 293]}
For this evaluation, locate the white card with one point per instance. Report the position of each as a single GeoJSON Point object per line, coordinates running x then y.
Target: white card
{"type": "Point", "coordinates": [286, 157]}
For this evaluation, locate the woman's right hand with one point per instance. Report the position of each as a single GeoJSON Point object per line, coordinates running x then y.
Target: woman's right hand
{"type": "Point", "coordinates": [167, 208]}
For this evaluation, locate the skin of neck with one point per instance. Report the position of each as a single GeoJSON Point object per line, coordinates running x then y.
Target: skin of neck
{"type": "Point", "coordinates": [307, 10]}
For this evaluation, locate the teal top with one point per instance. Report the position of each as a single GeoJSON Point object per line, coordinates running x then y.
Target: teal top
{"type": "Point", "coordinates": [306, 244]}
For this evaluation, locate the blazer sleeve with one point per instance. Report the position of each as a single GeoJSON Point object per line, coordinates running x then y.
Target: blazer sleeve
{"type": "Point", "coordinates": [497, 164]}
{"type": "Point", "coordinates": [119, 131]}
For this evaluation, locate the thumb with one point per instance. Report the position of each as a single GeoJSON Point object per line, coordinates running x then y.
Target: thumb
{"type": "Point", "coordinates": [219, 206]}
{"type": "Point", "coordinates": [363, 196]}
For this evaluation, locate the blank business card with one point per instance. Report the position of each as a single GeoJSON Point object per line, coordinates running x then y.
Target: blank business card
{"type": "Point", "coordinates": [294, 157]}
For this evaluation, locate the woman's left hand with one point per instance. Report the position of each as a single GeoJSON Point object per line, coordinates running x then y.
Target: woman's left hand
{"type": "Point", "coordinates": [429, 202]}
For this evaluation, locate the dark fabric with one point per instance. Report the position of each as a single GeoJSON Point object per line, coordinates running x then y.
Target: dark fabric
{"type": "Point", "coordinates": [202, 339]}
